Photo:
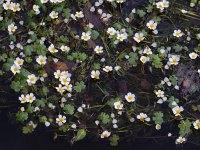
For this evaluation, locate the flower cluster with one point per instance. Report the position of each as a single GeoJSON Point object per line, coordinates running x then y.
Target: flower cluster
{"type": "Point", "coordinates": [102, 68]}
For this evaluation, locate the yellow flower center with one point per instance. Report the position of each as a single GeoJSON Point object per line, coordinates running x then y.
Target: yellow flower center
{"type": "Point", "coordinates": [174, 61]}
{"type": "Point", "coordinates": [15, 7]}
{"type": "Point", "coordinates": [142, 118]}
{"type": "Point", "coordinates": [96, 75]}
{"type": "Point", "coordinates": [178, 111]}
{"type": "Point", "coordinates": [198, 125]}
{"type": "Point", "coordinates": [32, 79]}
{"type": "Point", "coordinates": [61, 119]}
{"type": "Point", "coordinates": [139, 38]}
{"type": "Point", "coordinates": [151, 26]}
{"type": "Point", "coordinates": [54, 15]}
{"type": "Point", "coordinates": [129, 98]}
{"type": "Point", "coordinates": [15, 69]}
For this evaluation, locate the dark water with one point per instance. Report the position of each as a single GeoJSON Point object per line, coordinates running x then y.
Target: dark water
{"type": "Point", "coordinates": [11, 138]}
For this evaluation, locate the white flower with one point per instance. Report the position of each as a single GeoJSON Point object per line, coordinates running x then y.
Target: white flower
{"type": "Point", "coordinates": [159, 93]}
{"type": "Point", "coordinates": [152, 25]}
{"type": "Point", "coordinates": [178, 33]}
{"type": "Point", "coordinates": [12, 28]}
{"type": "Point", "coordinates": [52, 49]}
{"type": "Point", "coordinates": [73, 126]}
{"type": "Point", "coordinates": [36, 8]}
{"type": "Point", "coordinates": [44, 1]}
{"type": "Point", "coordinates": [95, 74]}
{"type": "Point", "coordinates": [111, 31]}
{"type": "Point", "coordinates": [80, 109]}
{"type": "Point", "coordinates": [108, 68]}
{"type": "Point", "coordinates": [60, 120]}
{"type": "Point", "coordinates": [22, 99]}
{"type": "Point", "coordinates": [121, 37]}
{"type": "Point", "coordinates": [159, 5]}
{"type": "Point", "coordinates": [177, 110]}
{"type": "Point", "coordinates": [147, 51]}
{"type": "Point", "coordinates": [144, 59]}
{"type": "Point", "coordinates": [7, 5]}
{"type": "Point", "coordinates": [57, 74]}
{"type": "Point", "coordinates": [66, 74]}
{"type": "Point", "coordinates": [180, 140]}
{"type": "Point", "coordinates": [60, 88]}
{"type": "Point", "coordinates": [138, 37]}
{"type": "Point", "coordinates": [143, 117]}
{"type": "Point", "coordinates": [158, 127]}
{"type": "Point", "coordinates": [130, 97]}
{"type": "Point", "coordinates": [117, 68]}
{"type": "Point", "coordinates": [165, 3]}
{"type": "Point", "coordinates": [193, 55]}
{"type": "Point", "coordinates": [30, 98]}
{"type": "Point", "coordinates": [31, 79]}
{"type": "Point", "coordinates": [85, 36]}
{"type": "Point", "coordinates": [15, 69]}
{"type": "Point", "coordinates": [105, 134]}
{"type": "Point", "coordinates": [184, 11]}
{"type": "Point", "coordinates": [65, 48]}
{"type": "Point", "coordinates": [53, 15]}
{"type": "Point", "coordinates": [98, 49]}
{"type": "Point", "coordinates": [15, 7]}
{"type": "Point", "coordinates": [196, 124]}
{"type": "Point", "coordinates": [64, 80]}
{"type": "Point", "coordinates": [73, 16]}
{"type": "Point", "coordinates": [47, 124]}
{"type": "Point", "coordinates": [174, 59]}
{"type": "Point", "coordinates": [79, 14]}
{"type": "Point", "coordinates": [41, 60]}
{"type": "Point", "coordinates": [18, 61]}
{"type": "Point", "coordinates": [118, 105]}
{"type": "Point", "coordinates": [121, 1]}
{"type": "Point", "coordinates": [68, 87]}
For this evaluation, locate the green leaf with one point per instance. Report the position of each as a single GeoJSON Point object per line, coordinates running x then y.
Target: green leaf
{"type": "Point", "coordinates": [114, 140]}
{"type": "Point", "coordinates": [158, 118]}
{"type": "Point", "coordinates": [171, 100]}
{"type": "Point", "coordinates": [41, 102]}
{"type": "Point", "coordinates": [133, 58]}
{"type": "Point", "coordinates": [28, 50]}
{"type": "Point", "coordinates": [69, 109]}
{"type": "Point", "coordinates": [141, 13]}
{"type": "Point", "coordinates": [94, 34]}
{"type": "Point", "coordinates": [16, 86]}
{"type": "Point", "coordinates": [185, 127]}
{"type": "Point", "coordinates": [105, 118]}
{"type": "Point", "coordinates": [156, 61]}
{"type": "Point", "coordinates": [79, 86]}
{"type": "Point", "coordinates": [28, 129]}
{"type": "Point", "coordinates": [80, 135]}
{"type": "Point", "coordinates": [45, 90]}
{"type": "Point", "coordinates": [21, 116]}
{"type": "Point", "coordinates": [63, 128]}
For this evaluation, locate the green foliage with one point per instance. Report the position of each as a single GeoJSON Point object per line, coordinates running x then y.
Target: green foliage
{"type": "Point", "coordinates": [80, 135]}
{"type": "Point", "coordinates": [133, 58]}
{"type": "Point", "coordinates": [156, 61]}
{"type": "Point", "coordinates": [69, 109]}
{"type": "Point", "coordinates": [21, 116]}
{"type": "Point", "coordinates": [28, 129]}
{"type": "Point", "coordinates": [79, 86]}
{"type": "Point", "coordinates": [114, 140]}
{"type": "Point", "coordinates": [105, 118]}
{"type": "Point", "coordinates": [185, 127]}
{"type": "Point", "coordinates": [158, 118]}
{"type": "Point", "coordinates": [141, 12]}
